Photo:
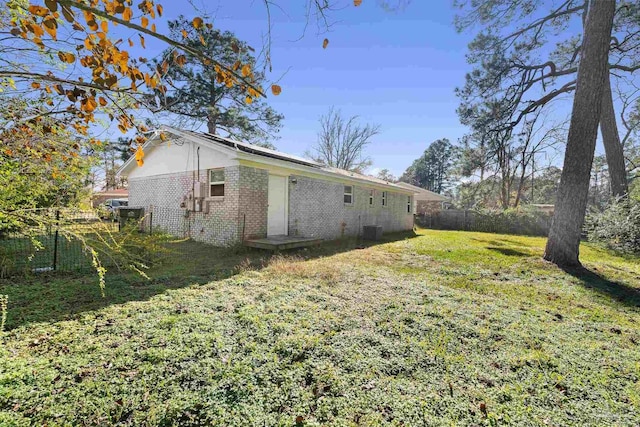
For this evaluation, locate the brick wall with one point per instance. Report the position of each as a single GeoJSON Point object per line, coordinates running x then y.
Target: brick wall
{"type": "Point", "coordinates": [160, 190]}
{"type": "Point", "coordinates": [219, 226]}
{"type": "Point", "coordinates": [162, 195]}
{"type": "Point", "coordinates": [317, 209]}
{"type": "Point", "coordinates": [253, 202]}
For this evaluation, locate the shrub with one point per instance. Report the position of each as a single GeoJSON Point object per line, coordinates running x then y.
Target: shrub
{"type": "Point", "coordinates": [617, 227]}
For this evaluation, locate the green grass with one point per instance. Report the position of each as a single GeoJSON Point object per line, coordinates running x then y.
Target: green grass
{"type": "Point", "coordinates": [446, 328]}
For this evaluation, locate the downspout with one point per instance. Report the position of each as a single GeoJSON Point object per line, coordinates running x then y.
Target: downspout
{"type": "Point", "coordinates": [198, 156]}
{"type": "Point", "coordinates": [193, 191]}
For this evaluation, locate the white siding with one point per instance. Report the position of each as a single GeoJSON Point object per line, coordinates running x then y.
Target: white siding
{"type": "Point", "coordinates": [170, 157]}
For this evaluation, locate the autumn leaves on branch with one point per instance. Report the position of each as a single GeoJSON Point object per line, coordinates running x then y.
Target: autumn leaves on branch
{"type": "Point", "coordinates": [108, 79]}
{"type": "Point", "coordinates": [97, 74]}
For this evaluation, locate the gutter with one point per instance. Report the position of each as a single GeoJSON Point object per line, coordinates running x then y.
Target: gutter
{"type": "Point", "coordinates": [321, 173]}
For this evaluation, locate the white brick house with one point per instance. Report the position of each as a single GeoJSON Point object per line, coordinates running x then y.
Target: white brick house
{"type": "Point", "coordinates": [219, 191]}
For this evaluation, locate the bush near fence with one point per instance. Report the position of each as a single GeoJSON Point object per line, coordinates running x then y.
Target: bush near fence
{"type": "Point", "coordinates": [510, 221]}
{"type": "Point", "coordinates": [617, 227]}
{"type": "Point", "coordinates": [47, 243]}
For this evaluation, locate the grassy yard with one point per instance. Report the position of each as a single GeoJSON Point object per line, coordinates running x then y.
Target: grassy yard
{"type": "Point", "coordinates": [446, 328]}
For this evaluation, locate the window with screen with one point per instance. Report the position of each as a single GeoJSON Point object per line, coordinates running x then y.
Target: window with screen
{"type": "Point", "coordinates": [216, 183]}
{"type": "Point", "coordinates": [348, 195]}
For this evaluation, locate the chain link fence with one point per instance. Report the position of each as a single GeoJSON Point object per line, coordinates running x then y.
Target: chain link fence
{"type": "Point", "coordinates": [61, 240]}
{"type": "Point", "coordinates": [52, 240]}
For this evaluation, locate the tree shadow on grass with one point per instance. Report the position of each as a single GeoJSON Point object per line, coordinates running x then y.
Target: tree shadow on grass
{"type": "Point", "coordinates": [52, 297]}
{"type": "Point", "coordinates": [621, 292]}
{"type": "Point", "coordinates": [509, 251]}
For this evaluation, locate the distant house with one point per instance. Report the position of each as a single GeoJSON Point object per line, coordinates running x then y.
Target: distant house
{"type": "Point", "coordinates": [426, 201]}
{"type": "Point", "coordinates": [100, 197]}
{"type": "Point", "coordinates": [221, 191]}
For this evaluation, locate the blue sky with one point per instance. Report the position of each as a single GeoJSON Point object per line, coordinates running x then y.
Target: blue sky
{"type": "Point", "coordinates": [397, 69]}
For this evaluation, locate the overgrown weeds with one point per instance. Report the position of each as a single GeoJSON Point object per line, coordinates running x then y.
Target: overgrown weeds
{"type": "Point", "coordinates": [297, 267]}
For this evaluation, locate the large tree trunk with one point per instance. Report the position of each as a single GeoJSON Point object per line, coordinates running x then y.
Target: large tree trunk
{"type": "Point", "coordinates": [564, 237]}
{"type": "Point", "coordinates": [612, 144]}
{"type": "Point", "coordinates": [211, 125]}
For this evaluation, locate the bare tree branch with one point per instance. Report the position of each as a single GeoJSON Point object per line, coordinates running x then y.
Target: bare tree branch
{"type": "Point", "coordinates": [341, 142]}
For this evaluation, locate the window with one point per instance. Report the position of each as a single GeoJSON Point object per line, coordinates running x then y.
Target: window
{"type": "Point", "coordinates": [216, 183]}
{"type": "Point", "coordinates": [384, 198]}
{"type": "Point", "coordinates": [371, 194]}
{"type": "Point", "coordinates": [348, 195]}
{"type": "Point", "coordinates": [409, 204]}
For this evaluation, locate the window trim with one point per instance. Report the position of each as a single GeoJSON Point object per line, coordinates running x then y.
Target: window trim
{"type": "Point", "coordinates": [409, 204]}
{"type": "Point", "coordinates": [345, 193]}
{"type": "Point", "coordinates": [372, 197]}
{"type": "Point", "coordinates": [210, 183]}
{"type": "Point", "coordinates": [385, 195]}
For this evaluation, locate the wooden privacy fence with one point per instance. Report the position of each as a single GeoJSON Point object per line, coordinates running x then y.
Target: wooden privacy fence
{"type": "Point", "coordinates": [531, 224]}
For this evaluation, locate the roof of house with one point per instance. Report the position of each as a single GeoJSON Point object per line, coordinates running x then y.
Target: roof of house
{"type": "Point", "coordinates": [252, 148]}
{"type": "Point", "coordinates": [422, 193]}
{"type": "Point", "coordinates": [261, 152]}
{"type": "Point", "coordinates": [118, 192]}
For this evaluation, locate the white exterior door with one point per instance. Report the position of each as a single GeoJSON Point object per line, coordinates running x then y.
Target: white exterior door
{"type": "Point", "coordinates": [277, 210]}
